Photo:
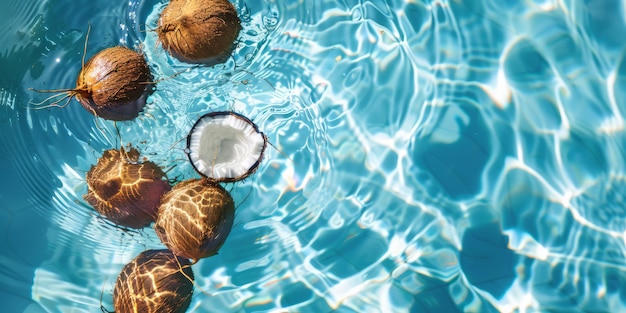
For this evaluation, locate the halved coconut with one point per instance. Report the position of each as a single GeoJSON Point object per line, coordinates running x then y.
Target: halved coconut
{"type": "Point", "coordinates": [225, 146]}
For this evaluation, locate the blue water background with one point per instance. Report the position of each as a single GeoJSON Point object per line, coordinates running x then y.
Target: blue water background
{"type": "Point", "coordinates": [437, 156]}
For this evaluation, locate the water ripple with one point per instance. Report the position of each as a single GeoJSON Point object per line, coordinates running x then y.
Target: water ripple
{"type": "Point", "coordinates": [426, 155]}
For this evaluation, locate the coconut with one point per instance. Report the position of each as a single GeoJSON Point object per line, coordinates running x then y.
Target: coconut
{"type": "Point", "coordinates": [194, 218]}
{"type": "Point", "coordinates": [155, 281]}
{"type": "Point", "coordinates": [199, 31]}
{"type": "Point", "coordinates": [125, 191]}
{"type": "Point", "coordinates": [225, 146]}
{"type": "Point", "coordinates": [113, 84]}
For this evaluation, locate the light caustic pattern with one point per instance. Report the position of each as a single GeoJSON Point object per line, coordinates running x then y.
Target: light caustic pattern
{"type": "Point", "coordinates": [443, 156]}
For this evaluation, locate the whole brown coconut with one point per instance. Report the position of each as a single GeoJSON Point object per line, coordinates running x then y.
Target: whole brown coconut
{"type": "Point", "coordinates": [114, 84]}
{"type": "Point", "coordinates": [125, 191]}
{"type": "Point", "coordinates": [199, 31]}
{"type": "Point", "coordinates": [195, 218]}
{"type": "Point", "coordinates": [156, 281]}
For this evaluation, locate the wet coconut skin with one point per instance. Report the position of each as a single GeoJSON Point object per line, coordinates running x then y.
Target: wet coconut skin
{"type": "Point", "coordinates": [114, 84]}
{"type": "Point", "coordinates": [199, 31]}
{"type": "Point", "coordinates": [125, 191]}
{"type": "Point", "coordinates": [156, 281]}
{"type": "Point", "coordinates": [195, 218]}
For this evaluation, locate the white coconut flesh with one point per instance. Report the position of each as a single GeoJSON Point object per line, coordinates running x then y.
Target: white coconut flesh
{"type": "Point", "coordinates": [224, 147]}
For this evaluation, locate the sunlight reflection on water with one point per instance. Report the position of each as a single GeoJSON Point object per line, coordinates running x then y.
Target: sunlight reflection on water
{"type": "Point", "coordinates": [440, 156]}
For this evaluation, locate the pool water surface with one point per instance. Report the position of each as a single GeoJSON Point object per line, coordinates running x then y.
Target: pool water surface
{"type": "Point", "coordinates": [426, 156]}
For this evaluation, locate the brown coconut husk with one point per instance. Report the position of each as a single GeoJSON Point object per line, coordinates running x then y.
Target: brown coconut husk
{"type": "Point", "coordinates": [195, 218]}
{"type": "Point", "coordinates": [113, 84]}
{"type": "Point", "coordinates": [125, 191]}
{"type": "Point", "coordinates": [156, 281]}
{"type": "Point", "coordinates": [199, 31]}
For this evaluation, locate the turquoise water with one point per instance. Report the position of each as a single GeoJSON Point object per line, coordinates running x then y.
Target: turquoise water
{"type": "Point", "coordinates": [437, 156]}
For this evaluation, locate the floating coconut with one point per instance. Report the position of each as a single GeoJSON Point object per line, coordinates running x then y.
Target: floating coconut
{"type": "Point", "coordinates": [114, 85]}
{"type": "Point", "coordinates": [198, 31]}
{"type": "Point", "coordinates": [194, 218]}
{"type": "Point", "coordinates": [155, 281]}
{"type": "Point", "coordinates": [125, 191]}
{"type": "Point", "coordinates": [225, 146]}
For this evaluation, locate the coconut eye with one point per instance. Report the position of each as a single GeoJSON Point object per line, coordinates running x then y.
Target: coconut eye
{"type": "Point", "coordinates": [110, 188]}
{"type": "Point", "coordinates": [225, 146]}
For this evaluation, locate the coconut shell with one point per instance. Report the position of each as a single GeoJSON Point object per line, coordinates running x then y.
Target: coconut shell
{"type": "Point", "coordinates": [192, 145]}
{"type": "Point", "coordinates": [195, 218]}
{"type": "Point", "coordinates": [125, 191]}
{"type": "Point", "coordinates": [114, 84]}
{"type": "Point", "coordinates": [156, 281]}
{"type": "Point", "coordinates": [199, 31]}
